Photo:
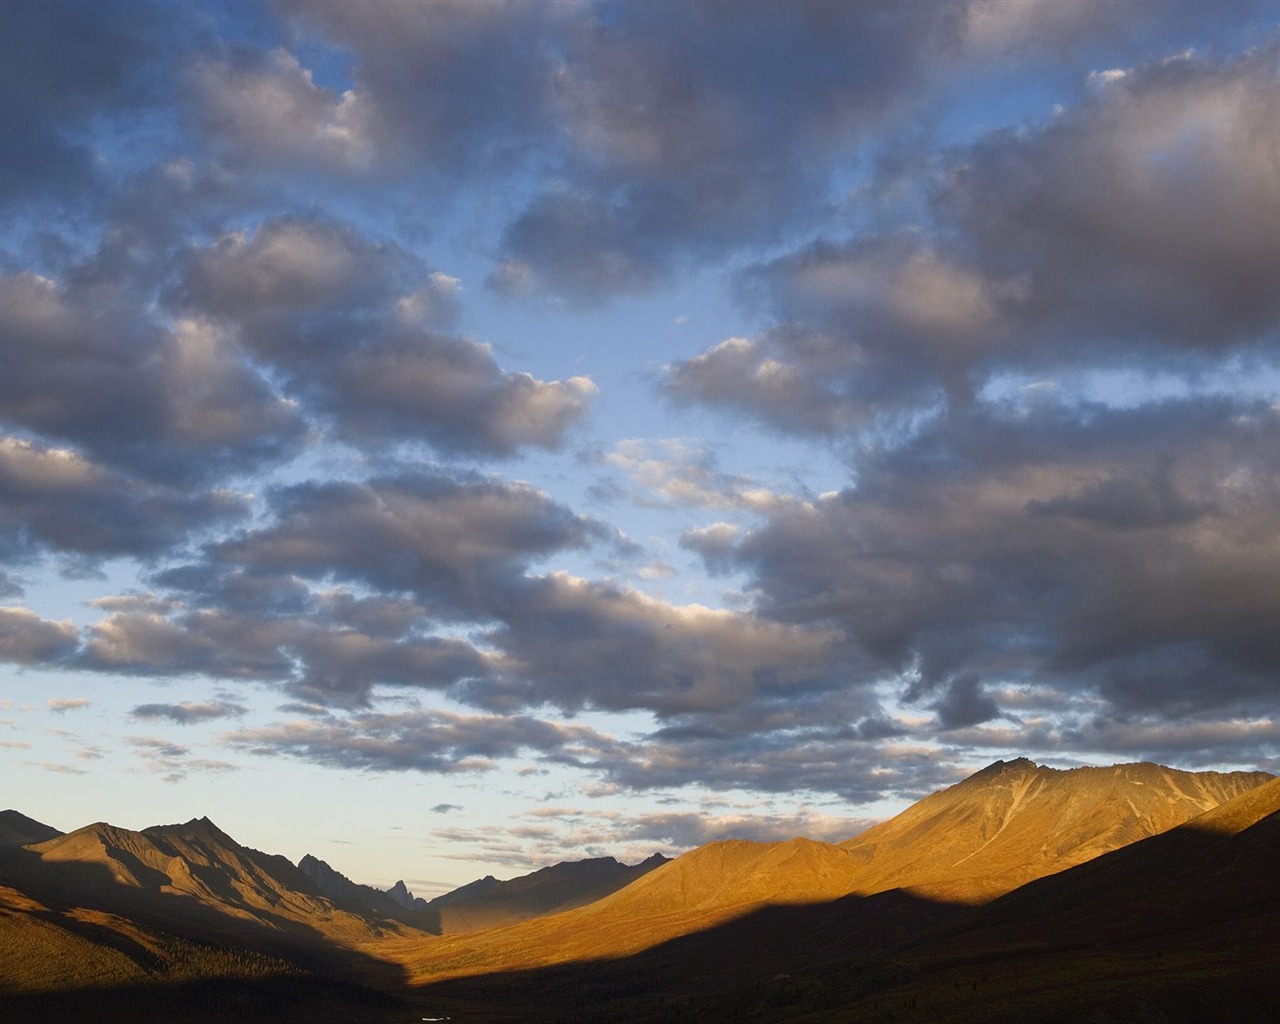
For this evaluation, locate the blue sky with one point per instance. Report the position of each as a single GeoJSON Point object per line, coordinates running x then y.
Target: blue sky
{"type": "Point", "coordinates": [449, 438]}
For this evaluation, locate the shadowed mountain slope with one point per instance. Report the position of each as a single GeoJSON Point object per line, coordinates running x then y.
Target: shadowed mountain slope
{"type": "Point", "coordinates": [1009, 823]}
{"type": "Point", "coordinates": [191, 879]}
{"type": "Point", "coordinates": [397, 904]}
{"type": "Point", "coordinates": [489, 903]}
{"type": "Point", "coordinates": [17, 829]}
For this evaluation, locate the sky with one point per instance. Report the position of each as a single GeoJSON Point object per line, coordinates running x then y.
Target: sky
{"type": "Point", "coordinates": [450, 438]}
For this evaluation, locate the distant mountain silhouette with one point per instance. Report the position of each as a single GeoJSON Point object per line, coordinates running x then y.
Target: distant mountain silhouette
{"type": "Point", "coordinates": [489, 903]}
{"type": "Point", "coordinates": [18, 830]}
{"type": "Point", "coordinates": [397, 904]}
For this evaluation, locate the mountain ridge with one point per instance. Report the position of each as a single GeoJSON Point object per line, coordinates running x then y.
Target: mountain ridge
{"type": "Point", "coordinates": [1005, 825]}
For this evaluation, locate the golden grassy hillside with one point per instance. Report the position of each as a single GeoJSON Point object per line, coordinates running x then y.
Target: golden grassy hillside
{"type": "Point", "coordinates": [1007, 824]}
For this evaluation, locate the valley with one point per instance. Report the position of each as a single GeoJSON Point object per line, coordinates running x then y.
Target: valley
{"type": "Point", "coordinates": [1132, 889]}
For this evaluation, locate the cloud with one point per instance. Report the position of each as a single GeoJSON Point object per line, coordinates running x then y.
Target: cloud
{"type": "Point", "coordinates": [172, 761]}
{"type": "Point", "coordinates": [965, 703]}
{"type": "Point", "coordinates": [268, 109]}
{"type": "Point", "coordinates": [1116, 233]}
{"type": "Point", "coordinates": [188, 712]}
{"type": "Point", "coordinates": [576, 643]}
{"type": "Point", "coordinates": [173, 401]}
{"type": "Point", "coordinates": [57, 500]}
{"type": "Point", "coordinates": [455, 542]}
{"type": "Point", "coordinates": [674, 472]}
{"type": "Point", "coordinates": [1154, 234]}
{"type": "Point", "coordinates": [1123, 551]}
{"type": "Point", "coordinates": [61, 705]}
{"type": "Point", "coordinates": [446, 808]}
{"type": "Point", "coordinates": [56, 768]}
{"type": "Point", "coordinates": [296, 291]}
{"type": "Point", "coordinates": [315, 658]}
{"type": "Point", "coordinates": [74, 64]}
{"type": "Point", "coordinates": [27, 639]}
{"type": "Point", "coordinates": [427, 741]}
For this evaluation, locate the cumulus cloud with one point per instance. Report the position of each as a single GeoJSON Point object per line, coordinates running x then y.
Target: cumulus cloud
{"type": "Point", "coordinates": [1117, 232]}
{"type": "Point", "coordinates": [297, 292]}
{"type": "Point", "coordinates": [56, 499]}
{"type": "Point", "coordinates": [270, 110]}
{"type": "Point", "coordinates": [456, 542]}
{"type": "Point", "coordinates": [74, 64]}
{"type": "Point", "coordinates": [316, 658]}
{"type": "Point", "coordinates": [1054, 543]}
{"type": "Point", "coordinates": [577, 643]}
{"type": "Point", "coordinates": [166, 401]}
{"type": "Point", "coordinates": [28, 639]}
{"type": "Point", "coordinates": [1155, 233]}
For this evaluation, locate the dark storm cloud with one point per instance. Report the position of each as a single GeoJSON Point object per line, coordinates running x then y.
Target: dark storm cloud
{"type": "Point", "coordinates": [1139, 225]}
{"type": "Point", "coordinates": [55, 500]}
{"type": "Point", "coordinates": [1098, 547]}
{"type": "Point", "coordinates": [964, 703]}
{"type": "Point", "coordinates": [353, 327]}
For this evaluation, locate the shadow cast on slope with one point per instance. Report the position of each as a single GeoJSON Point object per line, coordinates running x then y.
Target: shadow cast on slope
{"type": "Point", "coordinates": [1181, 928]}
{"type": "Point", "coordinates": [63, 887]}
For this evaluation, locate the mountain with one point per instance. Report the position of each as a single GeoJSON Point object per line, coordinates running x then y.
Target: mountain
{"type": "Point", "coordinates": [177, 922]}
{"type": "Point", "coordinates": [1005, 825]}
{"type": "Point", "coordinates": [18, 830]}
{"type": "Point", "coordinates": [489, 903]}
{"type": "Point", "coordinates": [397, 904]}
{"type": "Point", "coordinates": [1015, 821]}
{"type": "Point", "coordinates": [191, 879]}
{"type": "Point", "coordinates": [1219, 865]}
{"type": "Point", "coordinates": [1178, 928]}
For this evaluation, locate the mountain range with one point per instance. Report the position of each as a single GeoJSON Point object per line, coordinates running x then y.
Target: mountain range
{"type": "Point", "coordinates": [1022, 889]}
